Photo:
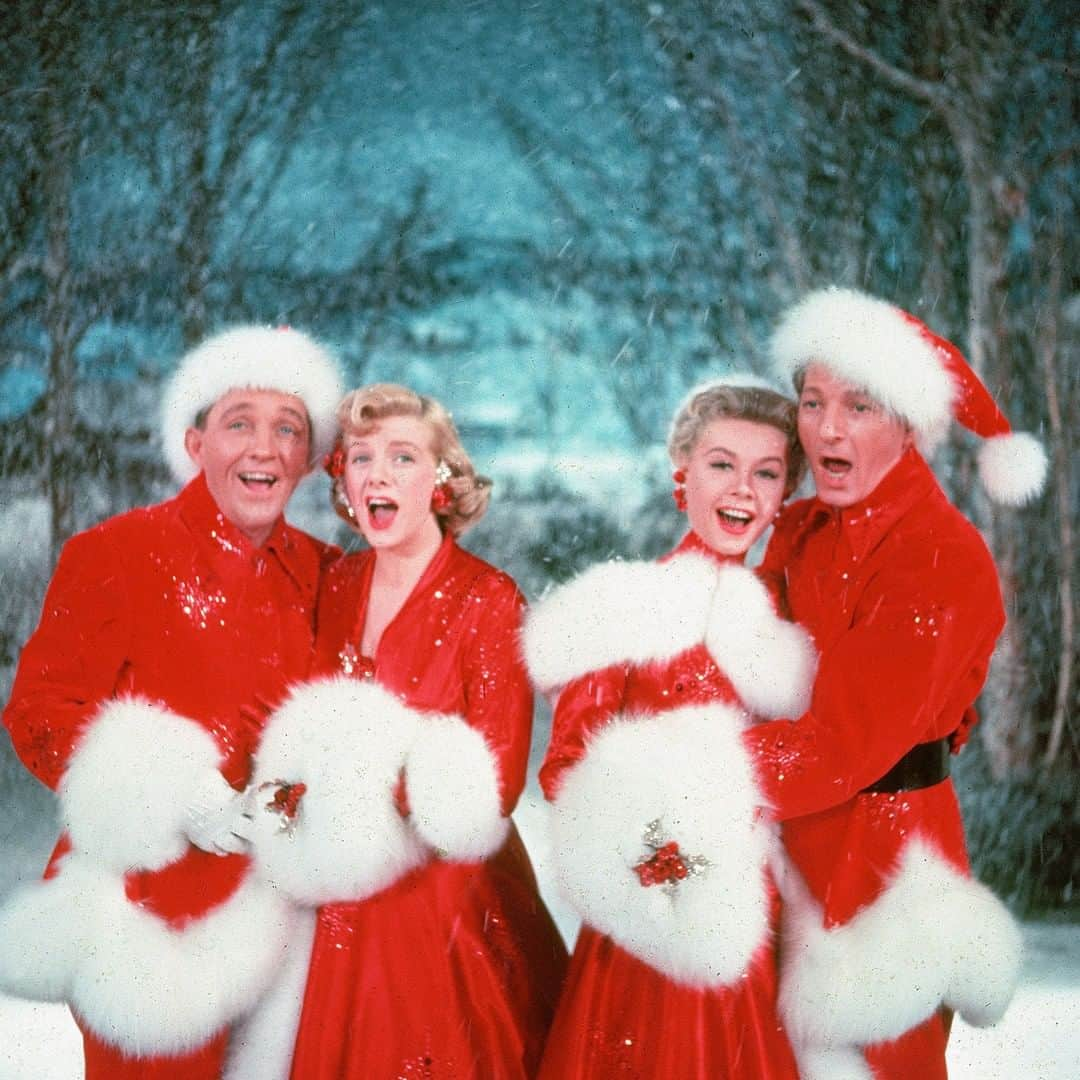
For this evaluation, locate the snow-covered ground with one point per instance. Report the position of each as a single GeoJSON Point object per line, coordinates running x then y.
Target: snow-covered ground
{"type": "Point", "coordinates": [1039, 1039]}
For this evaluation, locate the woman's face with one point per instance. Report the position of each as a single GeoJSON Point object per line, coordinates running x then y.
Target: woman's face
{"type": "Point", "coordinates": [389, 477]}
{"type": "Point", "coordinates": [735, 476]}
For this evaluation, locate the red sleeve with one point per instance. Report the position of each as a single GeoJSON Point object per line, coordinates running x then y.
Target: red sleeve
{"type": "Point", "coordinates": [584, 706]}
{"type": "Point", "coordinates": [498, 694]}
{"type": "Point", "coordinates": [914, 658]}
{"type": "Point", "coordinates": [74, 659]}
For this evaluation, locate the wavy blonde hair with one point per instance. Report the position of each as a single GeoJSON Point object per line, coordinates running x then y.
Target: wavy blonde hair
{"type": "Point", "coordinates": [756, 403]}
{"type": "Point", "coordinates": [359, 414]}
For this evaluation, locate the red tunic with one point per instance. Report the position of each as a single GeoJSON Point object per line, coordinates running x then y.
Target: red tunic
{"type": "Point", "coordinates": [902, 598]}
{"type": "Point", "coordinates": [453, 970]}
{"type": "Point", "coordinates": [171, 604]}
{"type": "Point", "coordinates": [620, 1016]}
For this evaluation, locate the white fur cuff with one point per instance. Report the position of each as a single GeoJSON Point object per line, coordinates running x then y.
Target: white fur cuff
{"type": "Point", "coordinates": [452, 781]}
{"type": "Point", "coordinates": [125, 794]}
{"type": "Point", "coordinates": [139, 984]}
{"type": "Point", "coordinates": [687, 770]}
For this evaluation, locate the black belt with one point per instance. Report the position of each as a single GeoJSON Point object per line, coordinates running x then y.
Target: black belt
{"type": "Point", "coordinates": [921, 767]}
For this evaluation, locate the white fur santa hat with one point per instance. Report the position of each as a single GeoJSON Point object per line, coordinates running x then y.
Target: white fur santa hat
{"type": "Point", "coordinates": [917, 375]}
{"type": "Point", "coordinates": [256, 357]}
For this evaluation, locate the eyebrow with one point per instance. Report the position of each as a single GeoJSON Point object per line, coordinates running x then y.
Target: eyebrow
{"type": "Point", "coordinates": [396, 444]}
{"type": "Point", "coordinates": [732, 453]}
{"type": "Point", "coordinates": [247, 406]}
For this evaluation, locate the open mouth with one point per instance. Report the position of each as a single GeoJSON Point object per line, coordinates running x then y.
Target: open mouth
{"type": "Point", "coordinates": [258, 481]}
{"type": "Point", "coordinates": [734, 521]}
{"type": "Point", "coordinates": [836, 466]}
{"type": "Point", "coordinates": [381, 512]}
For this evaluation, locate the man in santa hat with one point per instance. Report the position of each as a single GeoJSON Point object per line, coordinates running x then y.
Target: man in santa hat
{"type": "Point", "coordinates": [166, 636]}
{"type": "Point", "coordinates": [885, 932]}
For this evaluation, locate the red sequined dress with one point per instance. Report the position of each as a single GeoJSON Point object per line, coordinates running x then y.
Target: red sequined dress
{"type": "Point", "coordinates": [453, 969]}
{"type": "Point", "coordinates": [658, 837]}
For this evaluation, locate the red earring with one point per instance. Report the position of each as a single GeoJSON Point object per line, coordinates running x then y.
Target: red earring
{"type": "Point", "coordinates": [679, 494]}
{"type": "Point", "coordinates": [443, 495]}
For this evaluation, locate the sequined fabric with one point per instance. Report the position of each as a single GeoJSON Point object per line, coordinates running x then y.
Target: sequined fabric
{"type": "Point", "coordinates": [619, 1017]}
{"type": "Point", "coordinates": [171, 603]}
{"type": "Point", "coordinates": [453, 971]}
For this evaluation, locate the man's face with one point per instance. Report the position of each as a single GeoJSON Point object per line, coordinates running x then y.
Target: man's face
{"type": "Point", "coordinates": [254, 450]}
{"type": "Point", "coordinates": [851, 440]}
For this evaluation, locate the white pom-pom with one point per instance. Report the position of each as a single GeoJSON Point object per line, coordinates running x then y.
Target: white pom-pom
{"type": "Point", "coordinates": [1012, 467]}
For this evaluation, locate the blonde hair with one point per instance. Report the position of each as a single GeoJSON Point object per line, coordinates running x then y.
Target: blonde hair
{"type": "Point", "coordinates": [359, 414]}
{"type": "Point", "coordinates": [756, 403]}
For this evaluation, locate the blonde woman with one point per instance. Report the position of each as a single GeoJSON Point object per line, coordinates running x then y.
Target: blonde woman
{"type": "Point", "coordinates": [394, 775]}
{"type": "Point", "coordinates": [660, 840]}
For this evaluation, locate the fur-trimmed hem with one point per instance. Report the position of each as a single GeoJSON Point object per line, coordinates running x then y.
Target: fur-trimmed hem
{"type": "Point", "coordinates": [347, 741]}
{"type": "Point", "coordinates": [125, 793]}
{"type": "Point", "coordinates": [138, 984]}
{"type": "Point", "coordinates": [687, 770]}
{"type": "Point", "coordinates": [933, 937]}
{"type": "Point", "coordinates": [453, 786]}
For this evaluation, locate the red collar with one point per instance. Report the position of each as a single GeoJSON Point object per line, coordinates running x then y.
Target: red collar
{"type": "Point", "coordinates": [907, 483]}
{"type": "Point", "coordinates": [204, 517]}
{"type": "Point", "coordinates": [693, 543]}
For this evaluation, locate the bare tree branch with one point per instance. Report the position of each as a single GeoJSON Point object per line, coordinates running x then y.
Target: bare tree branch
{"type": "Point", "coordinates": [930, 92]}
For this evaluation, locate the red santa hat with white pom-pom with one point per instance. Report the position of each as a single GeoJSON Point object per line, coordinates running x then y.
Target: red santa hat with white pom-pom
{"type": "Point", "coordinates": [914, 373]}
{"type": "Point", "coordinates": [257, 358]}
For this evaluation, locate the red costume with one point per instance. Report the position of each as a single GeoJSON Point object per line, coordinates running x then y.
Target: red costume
{"type": "Point", "coordinates": [439, 957]}
{"type": "Point", "coordinates": [885, 926]}
{"type": "Point", "coordinates": [165, 639]}
{"type": "Point", "coordinates": [659, 836]}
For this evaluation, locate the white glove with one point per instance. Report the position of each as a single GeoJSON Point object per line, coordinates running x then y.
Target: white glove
{"type": "Point", "coordinates": [218, 817]}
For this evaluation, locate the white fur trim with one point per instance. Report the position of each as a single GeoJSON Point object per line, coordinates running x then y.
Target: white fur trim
{"type": "Point", "coordinates": [688, 768]}
{"type": "Point", "coordinates": [250, 356]}
{"type": "Point", "coordinates": [41, 941]}
{"type": "Point", "coordinates": [124, 796]}
{"type": "Point", "coordinates": [870, 343]}
{"type": "Point", "coordinates": [453, 784]}
{"type": "Point", "coordinates": [136, 982]}
{"type": "Point", "coordinates": [346, 740]}
{"type": "Point", "coordinates": [933, 937]}
{"type": "Point", "coordinates": [632, 612]}
{"type": "Point", "coordinates": [770, 662]}
{"type": "Point", "coordinates": [1012, 467]}
{"type": "Point", "coordinates": [261, 1044]}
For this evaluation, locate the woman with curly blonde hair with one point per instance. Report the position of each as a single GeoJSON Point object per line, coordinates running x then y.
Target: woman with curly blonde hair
{"type": "Point", "coordinates": [396, 771]}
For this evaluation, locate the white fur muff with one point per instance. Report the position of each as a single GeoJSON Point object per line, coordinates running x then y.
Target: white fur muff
{"type": "Point", "coordinates": [686, 768]}
{"type": "Point", "coordinates": [349, 742]}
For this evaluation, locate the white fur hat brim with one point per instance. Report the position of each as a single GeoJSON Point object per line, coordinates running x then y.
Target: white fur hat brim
{"type": "Point", "coordinates": [258, 357]}
{"type": "Point", "coordinates": [872, 344]}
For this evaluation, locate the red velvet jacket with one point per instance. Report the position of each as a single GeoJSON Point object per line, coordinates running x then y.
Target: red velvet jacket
{"type": "Point", "coordinates": [883, 926]}
{"type": "Point", "coordinates": [901, 596]}
{"type": "Point", "coordinates": [165, 639]}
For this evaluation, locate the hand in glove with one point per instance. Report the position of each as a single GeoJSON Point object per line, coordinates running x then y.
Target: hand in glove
{"type": "Point", "coordinates": [218, 817]}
